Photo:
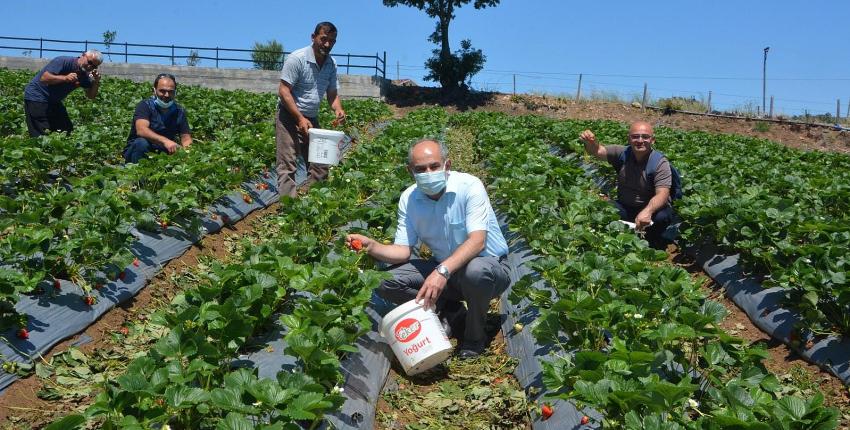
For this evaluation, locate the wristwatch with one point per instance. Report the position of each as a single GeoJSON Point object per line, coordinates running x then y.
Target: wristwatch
{"type": "Point", "coordinates": [443, 270]}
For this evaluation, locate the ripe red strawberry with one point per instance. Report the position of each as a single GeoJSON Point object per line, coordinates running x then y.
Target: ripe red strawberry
{"type": "Point", "coordinates": [247, 198]}
{"type": "Point", "coordinates": [56, 284]}
{"type": "Point", "coordinates": [163, 224]}
{"type": "Point", "coordinates": [546, 411]}
{"type": "Point", "coordinates": [124, 330]}
{"type": "Point", "coordinates": [89, 300]}
{"type": "Point", "coordinates": [122, 275]}
{"type": "Point", "coordinates": [23, 334]}
{"type": "Point", "coordinates": [356, 244]}
{"type": "Point", "coordinates": [259, 185]}
{"type": "Point", "coordinates": [136, 262]}
{"type": "Point", "coordinates": [585, 419]}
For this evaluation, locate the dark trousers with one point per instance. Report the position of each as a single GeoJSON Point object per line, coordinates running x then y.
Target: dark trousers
{"type": "Point", "coordinates": [138, 148]}
{"type": "Point", "coordinates": [290, 144]}
{"type": "Point", "coordinates": [482, 279]}
{"type": "Point", "coordinates": [661, 219]}
{"type": "Point", "coordinates": [42, 117]}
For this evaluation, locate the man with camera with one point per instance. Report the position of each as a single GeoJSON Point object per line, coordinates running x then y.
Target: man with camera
{"type": "Point", "coordinates": [43, 96]}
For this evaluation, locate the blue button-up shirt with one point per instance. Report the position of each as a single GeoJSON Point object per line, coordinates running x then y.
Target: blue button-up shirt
{"type": "Point", "coordinates": [443, 225]}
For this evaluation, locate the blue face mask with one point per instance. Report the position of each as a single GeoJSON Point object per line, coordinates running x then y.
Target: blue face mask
{"type": "Point", "coordinates": [161, 104]}
{"type": "Point", "coordinates": [431, 183]}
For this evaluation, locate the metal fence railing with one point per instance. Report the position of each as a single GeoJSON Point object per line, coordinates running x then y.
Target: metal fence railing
{"type": "Point", "coordinates": [176, 54]}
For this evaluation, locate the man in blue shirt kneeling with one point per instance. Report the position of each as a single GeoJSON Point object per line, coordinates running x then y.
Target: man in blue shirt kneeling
{"type": "Point", "coordinates": [157, 122]}
{"type": "Point", "coordinates": [449, 212]}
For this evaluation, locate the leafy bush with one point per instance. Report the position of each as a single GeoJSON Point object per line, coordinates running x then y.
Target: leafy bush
{"type": "Point", "coordinates": [456, 69]}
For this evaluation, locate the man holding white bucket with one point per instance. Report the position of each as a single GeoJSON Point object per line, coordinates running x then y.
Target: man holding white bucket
{"type": "Point", "coordinates": [307, 74]}
{"type": "Point", "coordinates": [449, 212]}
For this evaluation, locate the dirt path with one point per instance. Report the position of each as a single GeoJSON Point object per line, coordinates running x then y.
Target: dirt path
{"type": "Point", "coordinates": [792, 370]}
{"type": "Point", "coordinates": [472, 394]}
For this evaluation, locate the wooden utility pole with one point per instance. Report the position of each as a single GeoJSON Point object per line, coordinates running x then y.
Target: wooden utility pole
{"type": "Point", "coordinates": [709, 102]}
{"type": "Point", "coordinates": [643, 103]}
{"type": "Point", "coordinates": [578, 92]}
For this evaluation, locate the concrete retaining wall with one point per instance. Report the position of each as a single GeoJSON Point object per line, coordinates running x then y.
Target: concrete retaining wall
{"type": "Point", "coordinates": [258, 81]}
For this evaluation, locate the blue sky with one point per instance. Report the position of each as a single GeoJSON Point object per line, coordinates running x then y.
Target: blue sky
{"type": "Point", "coordinates": [683, 48]}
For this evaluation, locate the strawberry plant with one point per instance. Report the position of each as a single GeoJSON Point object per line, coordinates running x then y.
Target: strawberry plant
{"type": "Point", "coordinates": [297, 274]}
{"type": "Point", "coordinates": [634, 337]}
{"type": "Point", "coordinates": [782, 210]}
{"type": "Point", "coordinates": [67, 207]}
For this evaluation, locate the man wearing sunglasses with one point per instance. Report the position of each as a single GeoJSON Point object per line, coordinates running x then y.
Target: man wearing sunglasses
{"type": "Point", "coordinates": [158, 122]}
{"type": "Point", "coordinates": [44, 94]}
{"type": "Point", "coordinates": [641, 198]}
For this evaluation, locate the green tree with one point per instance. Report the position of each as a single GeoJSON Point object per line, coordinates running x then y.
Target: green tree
{"type": "Point", "coordinates": [267, 56]}
{"type": "Point", "coordinates": [193, 59]}
{"type": "Point", "coordinates": [451, 70]}
{"type": "Point", "coordinates": [458, 70]}
{"type": "Point", "coordinates": [108, 38]}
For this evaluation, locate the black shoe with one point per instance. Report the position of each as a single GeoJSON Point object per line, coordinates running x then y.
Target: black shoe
{"type": "Point", "coordinates": [468, 354]}
{"type": "Point", "coordinates": [470, 350]}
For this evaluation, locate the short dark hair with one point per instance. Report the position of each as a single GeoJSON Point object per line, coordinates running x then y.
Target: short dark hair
{"type": "Point", "coordinates": [165, 75]}
{"type": "Point", "coordinates": [327, 26]}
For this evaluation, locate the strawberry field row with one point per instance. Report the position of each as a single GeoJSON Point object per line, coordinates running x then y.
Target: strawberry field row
{"type": "Point", "coordinates": [301, 270]}
{"type": "Point", "coordinates": [785, 211]}
{"type": "Point", "coordinates": [102, 127]}
{"type": "Point", "coordinates": [68, 208]}
{"type": "Point", "coordinates": [635, 338]}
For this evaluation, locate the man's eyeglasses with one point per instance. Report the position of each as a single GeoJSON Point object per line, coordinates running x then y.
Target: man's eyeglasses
{"type": "Point", "coordinates": [90, 65]}
{"type": "Point", "coordinates": [640, 136]}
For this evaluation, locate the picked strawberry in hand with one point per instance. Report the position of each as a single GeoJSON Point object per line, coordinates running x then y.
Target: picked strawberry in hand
{"type": "Point", "coordinates": [356, 244]}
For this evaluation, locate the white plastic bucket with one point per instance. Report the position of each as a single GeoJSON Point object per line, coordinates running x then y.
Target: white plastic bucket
{"type": "Point", "coordinates": [324, 146]}
{"type": "Point", "coordinates": [416, 337]}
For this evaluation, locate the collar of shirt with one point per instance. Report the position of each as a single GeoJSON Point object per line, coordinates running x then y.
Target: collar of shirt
{"type": "Point", "coordinates": [310, 55]}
